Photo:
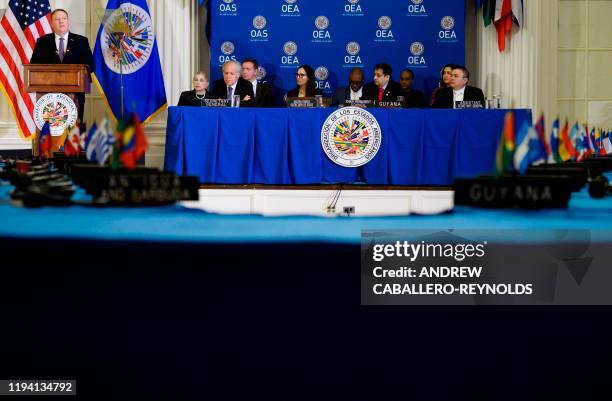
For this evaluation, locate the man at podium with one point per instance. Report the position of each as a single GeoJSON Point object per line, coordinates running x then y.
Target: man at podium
{"type": "Point", "coordinates": [64, 47]}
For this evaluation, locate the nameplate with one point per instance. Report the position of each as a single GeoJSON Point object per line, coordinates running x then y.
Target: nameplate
{"type": "Point", "coordinates": [216, 102]}
{"type": "Point", "coordinates": [525, 192]}
{"type": "Point", "coordinates": [364, 104]}
{"type": "Point", "coordinates": [382, 104]}
{"type": "Point", "coordinates": [389, 104]}
{"type": "Point", "coordinates": [301, 102]}
{"type": "Point", "coordinates": [469, 104]}
{"type": "Point", "coordinates": [143, 186]}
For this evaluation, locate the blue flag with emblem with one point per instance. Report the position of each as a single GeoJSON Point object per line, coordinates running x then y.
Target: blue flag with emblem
{"type": "Point", "coordinates": [126, 51]}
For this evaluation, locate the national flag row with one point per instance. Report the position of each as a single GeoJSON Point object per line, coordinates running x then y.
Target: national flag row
{"type": "Point", "coordinates": [123, 146]}
{"type": "Point", "coordinates": [530, 145]}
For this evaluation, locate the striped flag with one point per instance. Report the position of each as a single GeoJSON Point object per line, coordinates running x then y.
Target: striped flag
{"type": "Point", "coordinates": [99, 143]}
{"type": "Point", "coordinates": [23, 22]}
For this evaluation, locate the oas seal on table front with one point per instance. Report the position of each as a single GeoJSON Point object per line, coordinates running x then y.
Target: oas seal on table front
{"type": "Point", "coordinates": [56, 108]}
{"type": "Point", "coordinates": [351, 137]}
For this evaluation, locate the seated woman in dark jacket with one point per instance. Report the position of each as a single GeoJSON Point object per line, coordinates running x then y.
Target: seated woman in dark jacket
{"type": "Point", "coordinates": [196, 96]}
{"type": "Point", "coordinates": [305, 83]}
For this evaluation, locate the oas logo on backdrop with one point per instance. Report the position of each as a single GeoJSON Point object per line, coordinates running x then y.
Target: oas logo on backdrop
{"type": "Point", "coordinates": [228, 8]}
{"type": "Point", "coordinates": [384, 32]}
{"type": "Point", "coordinates": [321, 75]}
{"type": "Point", "coordinates": [416, 8]}
{"type": "Point", "coordinates": [227, 52]}
{"type": "Point", "coordinates": [321, 34]}
{"type": "Point", "coordinates": [352, 59]}
{"type": "Point", "coordinates": [259, 34]}
{"type": "Point", "coordinates": [352, 8]}
{"type": "Point", "coordinates": [447, 34]}
{"type": "Point", "coordinates": [351, 137]}
{"type": "Point", "coordinates": [417, 58]}
{"type": "Point", "coordinates": [261, 74]}
{"type": "Point", "coordinates": [290, 60]}
{"type": "Point", "coordinates": [290, 8]}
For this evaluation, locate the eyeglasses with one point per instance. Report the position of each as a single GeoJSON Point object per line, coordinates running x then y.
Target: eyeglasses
{"type": "Point", "coordinates": [301, 75]}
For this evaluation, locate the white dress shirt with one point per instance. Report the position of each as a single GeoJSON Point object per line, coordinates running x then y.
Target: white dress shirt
{"type": "Point", "coordinates": [254, 83]}
{"type": "Point", "coordinates": [57, 41]}
{"type": "Point", "coordinates": [458, 95]}
{"type": "Point", "coordinates": [356, 95]}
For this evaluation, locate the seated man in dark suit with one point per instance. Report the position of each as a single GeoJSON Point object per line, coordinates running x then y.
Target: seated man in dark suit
{"type": "Point", "coordinates": [63, 47]}
{"type": "Point", "coordinates": [264, 92]}
{"type": "Point", "coordinates": [412, 97]}
{"type": "Point", "coordinates": [352, 92]}
{"type": "Point", "coordinates": [232, 84]}
{"type": "Point", "coordinates": [459, 90]}
{"type": "Point", "coordinates": [383, 88]}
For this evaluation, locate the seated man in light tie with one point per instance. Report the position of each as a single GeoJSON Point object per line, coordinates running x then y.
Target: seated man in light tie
{"type": "Point", "coordinates": [264, 92]}
{"type": "Point", "coordinates": [352, 92]}
{"type": "Point", "coordinates": [458, 91]}
{"type": "Point", "coordinates": [233, 84]}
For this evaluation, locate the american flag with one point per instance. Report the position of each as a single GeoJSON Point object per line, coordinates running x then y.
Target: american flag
{"type": "Point", "coordinates": [23, 22]}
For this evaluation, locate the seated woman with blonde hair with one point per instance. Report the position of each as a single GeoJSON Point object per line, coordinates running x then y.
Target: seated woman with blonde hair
{"type": "Point", "coordinates": [196, 96]}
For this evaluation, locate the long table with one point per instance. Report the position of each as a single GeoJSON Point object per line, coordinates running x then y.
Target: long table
{"type": "Point", "coordinates": [283, 146]}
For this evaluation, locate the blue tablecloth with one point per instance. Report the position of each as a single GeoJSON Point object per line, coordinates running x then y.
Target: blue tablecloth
{"type": "Point", "coordinates": [283, 146]}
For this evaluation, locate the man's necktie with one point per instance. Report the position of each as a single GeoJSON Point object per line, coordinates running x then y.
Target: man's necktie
{"type": "Point", "coordinates": [61, 49]}
{"type": "Point", "coordinates": [380, 94]}
{"type": "Point", "coordinates": [230, 92]}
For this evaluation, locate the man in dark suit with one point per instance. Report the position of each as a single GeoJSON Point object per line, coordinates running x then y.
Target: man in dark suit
{"type": "Point", "coordinates": [412, 97]}
{"type": "Point", "coordinates": [64, 47]}
{"type": "Point", "coordinates": [352, 92]}
{"type": "Point", "coordinates": [383, 88]}
{"type": "Point", "coordinates": [233, 84]}
{"type": "Point", "coordinates": [264, 92]}
{"type": "Point", "coordinates": [459, 90]}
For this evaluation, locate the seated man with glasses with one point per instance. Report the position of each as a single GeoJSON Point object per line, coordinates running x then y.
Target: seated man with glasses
{"type": "Point", "coordinates": [458, 91]}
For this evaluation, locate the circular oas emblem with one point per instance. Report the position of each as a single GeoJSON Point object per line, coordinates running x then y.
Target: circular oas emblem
{"type": "Point", "coordinates": [227, 48]}
{"type": "Point", "coordinates": [261, 73]}
{"type": "Point", "coordinates": [353, 48]}
{"type": "Point", "coordinates": [417, 48]}
{"type": "Point", "coordinates": [58, 109]}
{"type": "Point", "coordinates": [417, 1]}
{"type": "Point", "coordinates": [351, 137]}
{"type": "Point", "coordinates": [290, 1]}
{"type": "Point", "coordinates": [321, 73]}
{"type": "Point", "coordinates": [127, 38]}
{"type": "Point", "coordinates": [259, 22]}
{"type": "Point", "coordinates": [447, 23]}
{"type": "Point", "coordinates": [228, 1]}
{"type": "Point", "coordinates": [353, 1]}
{"type": "Point", "coordinates": [384, 22]}
{"type": "Point", "coordinates": [322, 22]}
{"type": "Point", "coordinates": [290, 48]}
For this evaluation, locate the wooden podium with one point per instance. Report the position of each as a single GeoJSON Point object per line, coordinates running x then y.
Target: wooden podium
{"type": "Point", "coordinates": [69, 79]}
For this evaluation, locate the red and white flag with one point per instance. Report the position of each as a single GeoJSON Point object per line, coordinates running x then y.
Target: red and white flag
{"type": "Point", "coordinates": [23, 22]}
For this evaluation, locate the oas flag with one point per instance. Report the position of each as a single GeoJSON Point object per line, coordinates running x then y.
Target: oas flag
{"type": "Point", "coordinates": [126, 46]}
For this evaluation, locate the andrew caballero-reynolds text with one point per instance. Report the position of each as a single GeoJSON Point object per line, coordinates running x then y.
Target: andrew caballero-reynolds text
{"type": "Point", "coordinates": [446, 277]}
